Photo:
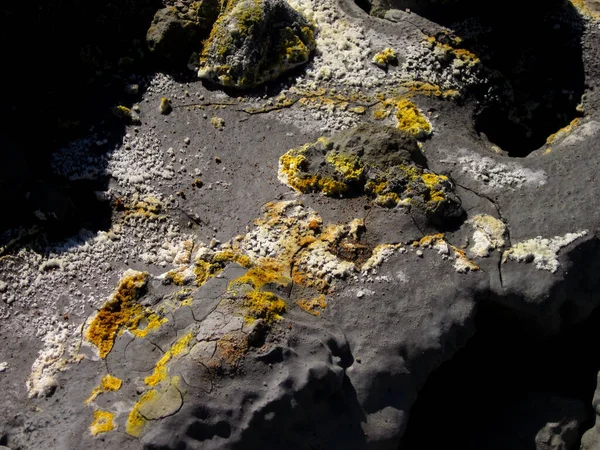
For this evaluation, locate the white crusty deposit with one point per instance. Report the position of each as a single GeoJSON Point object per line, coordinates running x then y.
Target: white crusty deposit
{"type": "Point", "coordinates": [494, 174]}
{"type": "Point", "coordinates": [489, 235]}
{"type": "Point", "coordinates": [541, 251]}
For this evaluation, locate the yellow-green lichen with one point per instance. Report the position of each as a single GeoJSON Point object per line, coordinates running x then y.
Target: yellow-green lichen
{"type": "Point", "coordinates": [292, 167]}
{"type": "Point", "coordinates": [386, 57]}
{"type": "Point", "coordinates": [122, 312]}
{"type": "Point", "coordinates": [165, 106]}
{"type": "Point", "coordinates": [563, 131]}
{"type": "Point", "coordinates": [269, 271]}
{"type": "Point", "coordinates": [108, 383]}
{"type": "Point", "coordinates": [136, 421]}
{"type": "Point", "coordinates": [313, 305]}
{"type": "Point", "coordinates": [412, 120]}
{"type": "Point", "coordinates": [218, 123]}
{"type": "Point", "coordinates": [160, 369]}
{"type": "Point", "coordinates": [589, 8]}
{"type": "Point", "coordinates": [177, 277]}
{"type": "Point", "coordinates": [350, 167]}
{"type": "Point", "coordinates": [264, 305]}
{"type": "Point", "coordinates": [103, 422]}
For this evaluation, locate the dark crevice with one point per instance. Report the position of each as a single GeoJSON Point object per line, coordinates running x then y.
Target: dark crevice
{"type": "Point", "coordinates": [501, 217]}
{"type": "Point", "coordinates": [365, 5]}
{"type": "Point", "coordinates": [472, 400]}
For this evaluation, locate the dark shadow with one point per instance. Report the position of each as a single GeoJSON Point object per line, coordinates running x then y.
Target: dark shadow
{"type": "Point", "coordinates": [334, 421]}
{"type": "Point", "coordinates": [365, 5]}
{"type": "Point", "coordinates": [69, 64]}
{"type": "Point", "coordinates": [532, 56]}
{"type": "Point", "coordinates": [502, 372]}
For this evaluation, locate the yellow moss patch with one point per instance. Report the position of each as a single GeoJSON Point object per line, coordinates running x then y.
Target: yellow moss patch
{"type": "Point", "coordinates": [385, 57]}
{"type": "Point", "coordinates": [434, 183]}
{"type": "Point", "coordinates": [108, 383]}
{"type": "Point", "coordinates": [122, 311]}
{"type": "Point", "coordinates": [349, 166]}
{"type": "Point", "coordinates": [313, 305]}
{"type": "Point", "coordinates": [218, 122]}
{"type": "Point", "coordinates": [147, 208]}
{"type": "Point", "coordinates": [135, 421]}
{"type": "Point", "coordinates": [428, 241]}
{"type": "Point", "coordinates": [430, 90]}
{"type": "Point", "coordinates": [457, 53]}
{"type": "Point", "coordinates": [209, 265]}
{"type": "Point", "coordinates": [291, 166]}
{"type": "Point", "coordinates": [264, 305]}
{"type": "Point", "coordinates": [103, 422]}
{"type": "Point", "coordinates": [269, 271]}
{"type": "Point", "coordinates": [160, 369]}
{"type": "Point", "coordinates": [588, 8]}
{"type": "Point", "coordinates": [176, 277]}
{"type": "Point", "coordinates": [563, 131]}
{"type": "Point", "coordinates": [165, 106]}
{"type": "Point", "coordinates": [230, 255]}
{"type": "Point", "coordinates": [412, 120]}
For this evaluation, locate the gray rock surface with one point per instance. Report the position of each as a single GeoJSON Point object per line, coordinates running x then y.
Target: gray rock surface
{"type": "Point", "coordinates": [282, 319]}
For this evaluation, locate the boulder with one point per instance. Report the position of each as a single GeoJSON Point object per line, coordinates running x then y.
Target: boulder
{"type": "Point", "coordinates": [176, 33]}
{"type": "Point", "coordinates": [254, 41]}
{"type": "Point", "coordinates": [380, 161]}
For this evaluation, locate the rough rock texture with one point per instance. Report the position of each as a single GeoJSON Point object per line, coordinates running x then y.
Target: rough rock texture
{"type": "Point", "coordinates": [254, 41]}
{"type": "Point", "coordinates": [177, 32]}
{"type": "Point", "coordinates": [222, 308]}
{"type": "Point", "coordinates": [381, 162]}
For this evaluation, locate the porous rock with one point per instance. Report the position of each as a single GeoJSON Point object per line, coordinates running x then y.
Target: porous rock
{"type": "Point", "coordinates": [254, 41]}
{"type": "Point", "coordinates": [176, 32]}
{"type": "Point", "coordinates": [379, 161]}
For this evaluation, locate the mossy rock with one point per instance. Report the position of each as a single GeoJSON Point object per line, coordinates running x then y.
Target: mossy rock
{"type": "Point", "coordinates": [176, 33]}
{"type": "Point", "coordinates": [374, 160]}
{"type": "Point", "coordinates": [254, 41]}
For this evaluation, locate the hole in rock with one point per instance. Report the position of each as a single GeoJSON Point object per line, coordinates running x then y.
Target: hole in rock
{"type": "Point", "coordinates": [365, 5]}
{"type": "Point", "coordinates": [532, 58]}
{"type": "Point", "coordinates": [476, 400]}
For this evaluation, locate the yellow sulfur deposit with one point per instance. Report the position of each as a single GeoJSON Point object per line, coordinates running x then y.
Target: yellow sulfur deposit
{"type": "Point", "coordinates": [108, 383]}
{"type": "Point", "coordinates": [412, 120]}
{"type": "Point", "coordinates": [160, 369]}
{"type": "Point", "coordinates": [103, 422]}
{"type": "Point", "coordinates": [264, 305]}
{"type": "Point", "coordinates": [122, 311]}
